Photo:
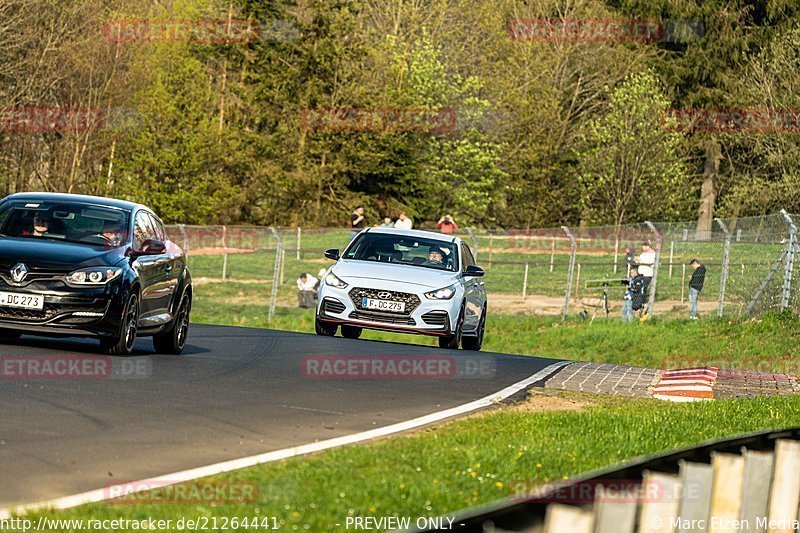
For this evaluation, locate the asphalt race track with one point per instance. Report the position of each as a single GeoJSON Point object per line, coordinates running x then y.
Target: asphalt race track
{"type": "Point", "coordinates": [235, 392]}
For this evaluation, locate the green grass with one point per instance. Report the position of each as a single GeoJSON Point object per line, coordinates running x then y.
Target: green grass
{"type": "Point", "coordinates": [468, 462]}
{"type": "Point", "coordinates": [770, 344]}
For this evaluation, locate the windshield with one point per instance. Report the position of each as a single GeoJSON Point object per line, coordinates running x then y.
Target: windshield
{"type": "Point", "coordinates": [65, 221]}
{"type": "Point", "coordinates": [402, 249]}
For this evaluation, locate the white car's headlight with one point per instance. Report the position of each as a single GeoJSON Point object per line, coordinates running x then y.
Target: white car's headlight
{"type": "Point", "coordinates": [442, 294]}
{"type": "Point", "coordinates": [332, 280]}
{"type": "Point", "coordinates": [93, 276]}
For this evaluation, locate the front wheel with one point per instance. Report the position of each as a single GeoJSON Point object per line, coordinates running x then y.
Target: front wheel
{"type": "Point", "coordinates": [453, 341]}
{"type": "Point", "coordinates": [351, 332]}
{"type": "Point", "coordinates": [123, 343]}
{"type": "Point", "coordinates": [325, 329]}
{"type": "Point", "coordinates": [475, 343]}
{"type": "Point", "coordinates": [173, 340]}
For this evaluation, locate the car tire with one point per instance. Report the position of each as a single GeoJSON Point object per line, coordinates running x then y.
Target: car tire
{"type": "Point", "coordinates": [351, 332]}
{"type": "Point", "coordinates": [475, 343]}
{"type": "Point", "coordinates": [124, 342]}
{"type": "Point", "coordinates": [452, 342]}
{"type": "Point", "coordinates": [324, 328]}
{"type": "Point", "coordinates": [9, 335]}
{"type": "Point", "coordinates": [173, 340]}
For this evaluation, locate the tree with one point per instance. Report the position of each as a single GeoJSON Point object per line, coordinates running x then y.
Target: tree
{"type": "Point", "coordinates": [632, 165]}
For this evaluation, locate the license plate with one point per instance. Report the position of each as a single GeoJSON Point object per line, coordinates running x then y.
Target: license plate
{"type": "Point", "coordinates": [22, 301]}
{"type": "Point", "coordinates": [384, 305]}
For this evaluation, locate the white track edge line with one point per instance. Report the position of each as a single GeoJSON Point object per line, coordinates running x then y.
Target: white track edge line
{"type": "Point", "coordinates": [98, 495]}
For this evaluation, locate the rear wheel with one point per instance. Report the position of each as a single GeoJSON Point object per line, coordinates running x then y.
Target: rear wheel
{"type": "Point", "coordinates": [351, 332]}
{"type": "Point", "coordinates": [173, 340]}
{"type": "Point", "coordinates": [123, 344]}
{"type": "Point", "coordinates": [324, 328]}
{"type": "Point", "coordinates": [475, 343]}
{"type": "Point", "coordinates": [452, 342]}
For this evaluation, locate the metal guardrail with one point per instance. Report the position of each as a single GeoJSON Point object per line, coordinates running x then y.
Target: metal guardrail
{"type": "Point", "coordinates": [746, 483]}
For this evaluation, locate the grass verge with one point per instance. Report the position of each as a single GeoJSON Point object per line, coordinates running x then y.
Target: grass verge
{"type": "Point", "coordinates": [464, 463]}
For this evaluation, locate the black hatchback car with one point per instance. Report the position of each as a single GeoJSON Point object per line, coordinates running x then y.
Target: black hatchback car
{"type": "Point", "coordinates": [85, 266]}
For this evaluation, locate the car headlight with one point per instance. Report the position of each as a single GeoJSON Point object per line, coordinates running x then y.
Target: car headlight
{"type": "Point", "coordinates": [442, 294]}
{"type": "Point", "coordinates": [334, 281]}
{"type": "Point", "coordinates": [93, 276]}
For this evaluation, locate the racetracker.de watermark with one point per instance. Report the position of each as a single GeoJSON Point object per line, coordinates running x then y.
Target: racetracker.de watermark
{"type": "Point", "coordinates": [174, 492]}
{"type": "Point", "coordinates": [598, 30]}
{"type": "Point", "coordinates": [397, 367]}
{"type": "Point", "coordinates": [80, 367]}
{"type": "Point", "coordinates": [602, 490]}
{"type": "Point", "coordinates": [378, 120]}
{"type": "Point", "coordinates": [753, 120]}
{"type": "Point", "coordinates": [62, 120]}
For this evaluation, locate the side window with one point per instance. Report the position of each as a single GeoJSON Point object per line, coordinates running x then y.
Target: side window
{"type": "Point", "coordinates": [158, 228]}
{"type": "Point", "coordinates": [142, 229]}
{"type": "Point", "coordinates": [467, 258]}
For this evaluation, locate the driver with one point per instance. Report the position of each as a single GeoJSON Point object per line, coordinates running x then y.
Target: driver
{"type": "Point", "coordinates": [435, 257]}
{"type": "Point", "coordinates": [112, 233]}
{"type": "Point", "coordinates": [40, 226]}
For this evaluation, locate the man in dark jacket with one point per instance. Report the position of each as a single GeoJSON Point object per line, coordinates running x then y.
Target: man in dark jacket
{"type": "Point", "coordinates": [634, 296]}
{"type": "Point", "coordinates": [695, 286]}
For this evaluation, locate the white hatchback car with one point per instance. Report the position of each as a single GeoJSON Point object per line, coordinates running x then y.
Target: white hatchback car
{"type": "Point", "coordinates": [406, 281]}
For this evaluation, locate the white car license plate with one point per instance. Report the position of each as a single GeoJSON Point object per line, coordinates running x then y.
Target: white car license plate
{"type": "Point", "coordinates": [384, 305]}
{"type": "Point", "coordinates": [22, 301]}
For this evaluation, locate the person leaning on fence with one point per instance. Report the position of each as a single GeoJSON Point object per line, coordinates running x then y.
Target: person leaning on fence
{"type": "Point", "coordinates": [306, 290]}
{"type": "Point", "coordinates": [696, 281]}
{"type": "Point", "coordinates": [634, 295]}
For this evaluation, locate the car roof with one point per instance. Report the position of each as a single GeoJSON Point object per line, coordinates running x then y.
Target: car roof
{"type": "Point", "coordinates": [416, 233]}
{"type": "Point", "coordinates": [77, 198]}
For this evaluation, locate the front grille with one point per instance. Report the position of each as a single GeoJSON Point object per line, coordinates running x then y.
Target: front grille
{"type": "Point", "coordinates": [34, 275]}
{"type": "Point", "coordinates": [383, 317]}
{"type": "Point", "coordinates": [357, 295]}
{"type": "Point", "coordinates": [331, 305]}
{"type": "Point", "coordinates": [435, 318]}
{"type": "Point", "coordinates": [51, 311]}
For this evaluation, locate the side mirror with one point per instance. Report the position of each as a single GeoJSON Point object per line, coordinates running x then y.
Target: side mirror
{"type": "Point", "coordinates": [475, 271]}
{"type": "Point", "coordinates": [332, 253]}
{"type": "Point", "coordinates": [150, 247]}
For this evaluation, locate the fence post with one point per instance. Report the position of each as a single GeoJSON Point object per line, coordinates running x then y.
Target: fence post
{"type": "Point", "coordinates": [299, 231]}
{"type": "Point", "coordinates": [474, 243]}
{"type": "Point", "coordinates": [525, 283]}
{"type": "Point", "coordinates": [552, 254]}
{"type": "Point", "coordinates": [616, 252]}
{"type": "Point", "coordinates": [786, 294]}
{"type": "Point", "coordinates": [652, 288]}
{"type": "Point", "coordinates": [224, 253]}
{"type": "Point", "coordinates": [571, 270]}
{"type": "Point", "coordinates": [275, 273]}
{"type": "Point", "coordinates": [491, 249]}
{"type": "Point", "coordinates": [671, 256]}
{"type": "Point", "coordinates": [726, 253]}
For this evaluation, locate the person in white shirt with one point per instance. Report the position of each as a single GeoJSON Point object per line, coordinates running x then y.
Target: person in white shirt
{"type": "Point", "coordinates": [306, 290]}
{"type": "Point", "coordinates": [403, 222]}
{"type": "Point", "coordinates": [646, 261]}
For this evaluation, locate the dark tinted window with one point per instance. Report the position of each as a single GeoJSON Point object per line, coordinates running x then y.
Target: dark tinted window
{"type": "Point", "coordinates": [403, 249]}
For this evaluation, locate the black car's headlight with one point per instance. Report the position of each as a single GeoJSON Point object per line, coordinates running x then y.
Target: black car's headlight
{"type": "Point", "coordinates": [442, 294]}
{"type": "Point", "coordinates": [95, 276]}
{"type": "Point", "coordinates": [334, 281]}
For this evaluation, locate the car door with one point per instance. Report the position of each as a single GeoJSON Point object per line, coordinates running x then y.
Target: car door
{"type": "Point", "coordinates": [148, 267]}
{"type": "Point", "coordinates": [169, 271]}
{"type": "Point", "coordinates": [475, 293]}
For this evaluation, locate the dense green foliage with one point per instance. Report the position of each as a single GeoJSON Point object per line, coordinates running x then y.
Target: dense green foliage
{"type": "Point", "coordinates": [545, 132]}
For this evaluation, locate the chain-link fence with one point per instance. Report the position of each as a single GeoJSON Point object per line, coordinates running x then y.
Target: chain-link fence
{"type": "Point", "coordinates": [555, 271]}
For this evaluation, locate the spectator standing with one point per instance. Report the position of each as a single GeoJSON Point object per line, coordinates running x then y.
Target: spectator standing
{"type": "Point", "coordinates": [403, 222]}
{"type": "Point", "coordinates": [356, 221]}
{"type": "Point", "coordinates": [447, 225]}
{"type": "Point", "coordinates": [634, 295]}
{"type": "Point", "coordinates": [387, 223]}
{"type": "Point", "coordinates": [306, 290]}
{"type": "Point", "coordinates": [697, 279]}
{"type": "Point", "coordinates": [645, 263]}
